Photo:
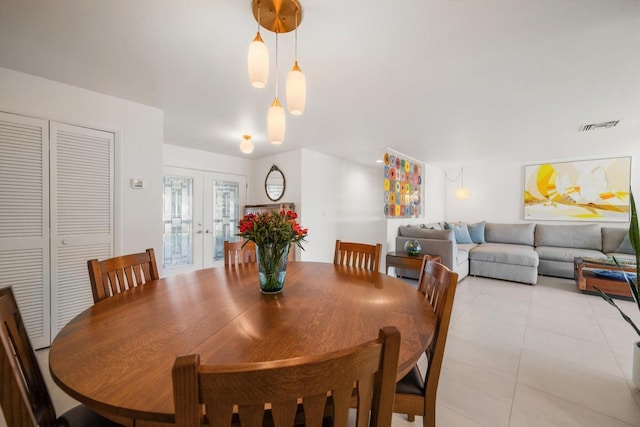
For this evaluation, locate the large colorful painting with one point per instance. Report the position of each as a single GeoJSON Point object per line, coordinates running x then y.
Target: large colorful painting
{"type": "Point", "coordinates": [402, 186]}
{"type": "Point", "coordinates": [587, 190]}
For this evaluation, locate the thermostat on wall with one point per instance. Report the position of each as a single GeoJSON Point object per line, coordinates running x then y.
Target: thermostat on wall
{"type": "Point", "coordinates": [137, 183]}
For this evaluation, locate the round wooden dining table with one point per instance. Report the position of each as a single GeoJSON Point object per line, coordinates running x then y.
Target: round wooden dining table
{"type": "Point", "coordinates": [116, 356]}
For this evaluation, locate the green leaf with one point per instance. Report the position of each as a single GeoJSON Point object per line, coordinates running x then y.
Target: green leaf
{"type": "Point", "coordinates": [610, 300]}
{"type": "Point", "coordinates": [634, 236]}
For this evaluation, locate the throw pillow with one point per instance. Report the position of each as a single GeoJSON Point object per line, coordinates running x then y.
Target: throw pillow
{"type": "Point", "coordinates": [460, 231]}
{"type": "Point", "coordinates": [476, 232]}
{"type": "Point", "coordinates": [625, 246]}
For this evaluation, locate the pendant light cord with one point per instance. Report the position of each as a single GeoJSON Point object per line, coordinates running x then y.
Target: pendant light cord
{"type": "Point", "coordinates": [258, 17]}
{"type": "Point", "coordinates": [295, 51]}
{"type": "Point", "coordinates": [457, 176]}
{"type": "Point", "coordinates": [276, 64]}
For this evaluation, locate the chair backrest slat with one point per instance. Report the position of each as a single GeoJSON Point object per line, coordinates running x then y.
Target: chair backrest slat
{"type": "Point", "coordinates": [115, 275]}
{"type": "Point", "coordinates": [438, 283]}
{"type": "Point", "coordinates": [370, 368]}
{"type": "Point", "coordinates": [358, 255]}
{"type": "Point", "coordinates": [24, 396]}
{"type": "Point", "coordinates": [235, 254]}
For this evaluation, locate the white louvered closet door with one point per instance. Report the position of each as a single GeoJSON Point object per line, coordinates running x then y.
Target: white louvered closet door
{"type": "Point", "coordinates": [24, 220]}
{"type": "Point", "coordinates": [82, 177]}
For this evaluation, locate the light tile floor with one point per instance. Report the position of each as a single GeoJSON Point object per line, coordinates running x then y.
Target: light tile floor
{"type": "Point", "coordinates": [519, 355]}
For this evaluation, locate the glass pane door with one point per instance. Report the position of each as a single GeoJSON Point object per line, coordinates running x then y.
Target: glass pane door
{"type": "Point", "coordinates": [178, 221]}
{"type": "Point", "coordinates": [224, 196]}
{"type": "Point", "coordinates": [226, 212]}
{"type": "Point", "coordinates": [201, 210]}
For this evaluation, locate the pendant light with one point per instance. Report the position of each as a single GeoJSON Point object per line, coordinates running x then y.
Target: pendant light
{"type": "Point", "coordinates": [246, 146]}
{"type": "Point", "coordinates": [258, 59]}
{"type": "Point", "coordinates": [275, 117]}
{"type": "Point", "coordinates": [462, 192]}
{"type": "Point", "coordinates": [296, 84]}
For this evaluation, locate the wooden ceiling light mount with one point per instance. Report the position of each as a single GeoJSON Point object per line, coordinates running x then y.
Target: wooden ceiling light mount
{"type": "Point", "coordinates": [278, 16]}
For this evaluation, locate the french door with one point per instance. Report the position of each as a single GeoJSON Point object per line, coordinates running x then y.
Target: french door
{"type": "Point", "coordinates": [201, 211]}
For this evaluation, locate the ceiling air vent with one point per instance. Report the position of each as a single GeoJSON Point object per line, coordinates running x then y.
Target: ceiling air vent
{"type": "Point", "coordinates": [603, 125]}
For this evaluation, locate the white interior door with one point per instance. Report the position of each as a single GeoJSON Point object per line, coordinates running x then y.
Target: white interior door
{"type": "Point", "coordinates": [24, 220]}
{"type": "Point", "coordinates": [201, 209]}
{"type": "Point", "coordinates": [82, 197]}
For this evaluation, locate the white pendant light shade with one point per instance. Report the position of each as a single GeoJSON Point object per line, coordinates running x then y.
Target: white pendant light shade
{"type": "Point", "coordinates": [276, 122]}
{"type": "Point", "coordinates": [296, 90]}
{"type": "Point", "coordinates": [462, 193]}
{"type": "Point", "coordinates": [246, 146]}
{"type": "Point", "coordinates": [258, 60]}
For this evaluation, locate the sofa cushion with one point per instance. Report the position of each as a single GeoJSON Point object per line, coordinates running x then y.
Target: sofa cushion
{"type": "Point", "coordinates": [583, 236]}
{"type": "Point", "coordinates": [476, 231]}
{"type": "Point", "coordinates": [515, 234]}
{"type": "Point", "coordinates": [433, 226]}
{"type": "Point", "coordinates": [622, 257]}
{"type": "Point", "coordinates": [426, 233]}
{"type": "Point", "coordinates": [461, 232]}
{"type": "Point", "coordinates": [505, 253]}
{"type": "Point", "coordinates": [463, 252]}
{"type": "Point", "coordinates": [462, 256]}
{"type": "Point", "coordinates": [625, 246]}
{"type": "Point", "coordinates": [612, 237]}
{"type": "Point", "coordinates": [553, 253]}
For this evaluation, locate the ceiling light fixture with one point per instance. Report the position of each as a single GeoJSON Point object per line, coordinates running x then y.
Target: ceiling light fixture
{"type": "Point", "coordinates": [258, 59]}
{"type": "Point", "coordinates": [296, 83]}
{"type": "Point", "coordinates": [246, 146]}
{"type": "Point", "coordinates": [276, 124]}
{"type": "Point", "coordinates": [279, 16]}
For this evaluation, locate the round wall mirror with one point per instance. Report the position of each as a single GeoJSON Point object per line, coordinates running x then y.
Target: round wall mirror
{"type": "Point", "coordinates": [274, 184]}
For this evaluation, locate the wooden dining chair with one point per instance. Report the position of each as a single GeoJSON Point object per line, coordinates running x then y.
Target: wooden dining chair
{"type": "Point", "coordinates": [370, 367]}
{"type": "Point", "coordinates": [115, 275]}
{"type": "Point", "coordinates": [358, 255]}
{"type": "Point", "coordinates": [24, 397]}
{"type": "Point", "coordinates": [416, 393]}
{"type": "Point", "coordinates": [235, 254]}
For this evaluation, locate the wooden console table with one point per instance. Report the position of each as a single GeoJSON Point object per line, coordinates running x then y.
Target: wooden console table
{"type": "Point", "coordinates": [587, 280]}
{"type": "Point", "coordinates": [402, 260]}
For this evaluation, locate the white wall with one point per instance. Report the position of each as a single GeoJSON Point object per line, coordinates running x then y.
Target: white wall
{"type": "Point", "coordinates": [289, 163]}
{"type": "Point", "coordinates": [495, 190]}
{"type": "Point", "coordinates": [139, 138]}
{"type": "Point", "coordinates": [339, 200]}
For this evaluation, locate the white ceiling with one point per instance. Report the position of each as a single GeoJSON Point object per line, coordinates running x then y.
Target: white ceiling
{"type": "Point", "coordinates": [448, 82]}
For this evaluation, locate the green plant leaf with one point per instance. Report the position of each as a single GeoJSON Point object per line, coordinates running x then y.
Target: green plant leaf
{"type": "Point", "coordinates": [634, 236]}
{"type": "Point", "coordinates": [610, 300]}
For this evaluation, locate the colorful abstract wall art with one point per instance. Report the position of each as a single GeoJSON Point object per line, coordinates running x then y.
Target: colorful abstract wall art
{"type": "Point", "coordinates": [403, 180]}
{"type": "Point", "coordinates": [586, 190]}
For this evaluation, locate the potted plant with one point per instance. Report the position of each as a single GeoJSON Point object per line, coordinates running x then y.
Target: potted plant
{"type": "Point", "coordinates": [634, 237]}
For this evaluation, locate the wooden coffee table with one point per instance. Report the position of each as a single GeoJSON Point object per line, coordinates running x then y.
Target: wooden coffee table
{"type": "Point", "coordinates": [402, 260]}
{"type": "Point", "coordinates": [587, 280]}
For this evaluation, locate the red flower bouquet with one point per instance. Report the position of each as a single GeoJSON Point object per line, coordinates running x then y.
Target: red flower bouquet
{"type": "Point", "coordinates": [273, 233]}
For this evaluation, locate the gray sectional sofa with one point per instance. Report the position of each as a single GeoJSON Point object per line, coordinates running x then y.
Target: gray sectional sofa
{"type": "Point", "coordinates": [517, 252]}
